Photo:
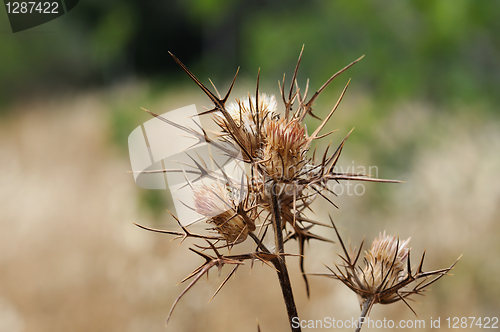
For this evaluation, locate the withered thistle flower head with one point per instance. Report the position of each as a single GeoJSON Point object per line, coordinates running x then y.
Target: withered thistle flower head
{"type": "Point", "coordinates": [385, 265]}
{"type": "Point", "coordinates": [215, 201]}
{"type": "Point", "coordinates": [244, 111]}
{"type": "Point", "coordinates": [251, 118]}
{"type": "Point", "coordinates": [285, 150]}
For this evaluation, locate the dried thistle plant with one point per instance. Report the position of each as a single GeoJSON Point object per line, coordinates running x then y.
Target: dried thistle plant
{"type": "Point", "coordinates": [283, 178]}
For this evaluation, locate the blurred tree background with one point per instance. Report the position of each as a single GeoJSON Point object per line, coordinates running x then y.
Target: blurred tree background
{"type": "Point", "coordinates": [438, 51]}
{"type": "Point", "coordinates": [424, 101]}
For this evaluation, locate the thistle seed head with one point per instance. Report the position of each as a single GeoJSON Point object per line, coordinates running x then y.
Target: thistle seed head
{"type": "Point", "coordinates": [251, 118]}
{"type": "Point", "coordinates": [215, 201]}
{"type": "Point", "coordinates": [385, 265]}
{"type": "Point", "coordinates": [284, 153]}
{"type": "Point", "coordinates": [244, 111]}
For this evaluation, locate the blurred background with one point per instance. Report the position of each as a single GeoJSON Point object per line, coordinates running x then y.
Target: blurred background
{"type": "Point", "coordinates": [424, 103]}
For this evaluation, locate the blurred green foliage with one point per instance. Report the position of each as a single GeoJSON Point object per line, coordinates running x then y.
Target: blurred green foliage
{"type": "Point", "coordinates": [442, 51]}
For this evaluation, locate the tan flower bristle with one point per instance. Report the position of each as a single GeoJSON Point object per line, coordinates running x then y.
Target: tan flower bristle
{"type": "Point", "coordinates": [214, 200]}
{"type": "Point", "coordinates": [384, 265]}
{"type": "Point", "coordinates": [251, 118]}
{"type": "Point", "coordinates": [285, 149]}
{"type": "Point", "coordinates": [244, 111]}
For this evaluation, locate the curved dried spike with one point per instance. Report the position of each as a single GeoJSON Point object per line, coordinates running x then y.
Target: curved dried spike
{"type": "Point", "coordinates": [332, 161]}
{"type": "Point", "coordinates": [184, 234]}
{"type": "Point", "coordinates": [301, 264]}
{"type": "Point", "coordinates": [441, 273]}
{"type": "Point", "coordinates": [327, 134]}
{"type": "Point", "coordinates": [294, 77]}
{"type": "Point", "coordinates": [340, 239]}
{"type": "Point", "coordinates": [317, 93]}
{"type": "Point", "coordinates": [215, 88]}
{"type": "Point", "coordinates": [282, 90]}
{"type": "Point", "coordinates": [224, 282]}
{"type": "Point", "coordinates": [206, 267]}
{"type": "Point", "coordinates": [359, 251]}
{"type": "Point", "coordinates": [189, 207]}
{"type": "Point", "coordinates": [302, 235]}
{"type": "Point", "coordinates": [326, 198]}
{"type": "Point", "coordinates": [219, 104]}
{"type": "Point", "coordinates": [231, 86]}
{"type": "Point", "coordinates": [257, 104]}
{"type": "Point", "coordinates": [361, 178]}
{"type": "Point", "coordinates": [210, 95]}
{"type": "Point", "coordinates": [160, 230]}
{"type": "Point", "coordinates": [301, 238]}
{"type": "Point", "coordinates": [407, 304]}
{"type": "Point", "coordinates": [288, 104]}
{"type": "Point", "coordinates": [307, 89]}
{"type": "Point", "coordinates": [294, 203]}
{"type": "Point", "coordinates": [301, 101]}
{"type": "Point", "coordinates": [419, 270]}
{"type": "Point", "coordinates": [176, 125]}
{"type": "Point", "coordinates": [202, 138]}
{"type": "Point", "coordinates": [316, 132]}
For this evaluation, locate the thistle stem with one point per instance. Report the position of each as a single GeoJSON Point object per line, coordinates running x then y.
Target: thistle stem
{"type": "Point", "coordinates": [258, 242]}
{"type": "Point", "coordinates": [364, 312]}
{"type": "Point", "coordinates": [279, 262]}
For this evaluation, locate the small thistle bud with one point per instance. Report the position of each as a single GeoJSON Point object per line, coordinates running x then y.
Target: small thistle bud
{"type": "Point", "coordinates": [284, 154]}
{"type": "Point", "coordinates": [216, 202]}
{"type": "Point", "coordinates": [385, 265]}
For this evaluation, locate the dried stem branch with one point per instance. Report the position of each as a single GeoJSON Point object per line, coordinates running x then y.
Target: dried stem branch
{"type": "Point", "coordinates": [364, 312]}
{"type": "Point", "coordinates": [279, 261]}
